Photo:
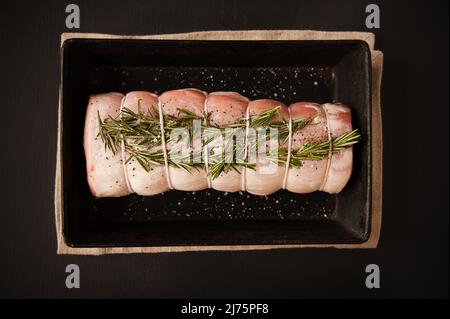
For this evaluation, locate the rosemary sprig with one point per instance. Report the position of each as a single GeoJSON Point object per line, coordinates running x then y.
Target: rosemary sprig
{"type": "Point", "coordinates": [141, 134]}
{"type": "Point", "coordinates": [316, 151]}
{"type": "Point", "coordinates": [224, 165]}
{"type": "Point", "coordinates": [110, 137]}
{"type": "Point", "coordinates": [264, 118]}
{"type": "Point", "coordinates": [135, 128]}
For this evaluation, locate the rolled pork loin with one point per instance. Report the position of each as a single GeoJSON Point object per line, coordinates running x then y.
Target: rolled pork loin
{"type": "Point", "coordinates": [112, 176]}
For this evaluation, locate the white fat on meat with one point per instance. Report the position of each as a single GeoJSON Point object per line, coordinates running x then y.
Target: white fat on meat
{"type": "Point", "coordinates": [105, 172]}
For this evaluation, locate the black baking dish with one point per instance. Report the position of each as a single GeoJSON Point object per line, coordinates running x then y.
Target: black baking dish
{"type": "Point", "coordinates": [319, 71]}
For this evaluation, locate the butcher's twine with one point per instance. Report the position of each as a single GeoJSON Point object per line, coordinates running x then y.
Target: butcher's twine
{"type": "Point", "coordinates": [244, 169]}
{"type": "Point", "coordinates": [163, 139]}
{"type": "Point", "coordinates": [330, 151]}
{"type": "Point", "coordinates": [205, 150]}
{"type": "Point", "coordinates": [288, 160]}
{"type": "Point", "coordinates": [122, 151]}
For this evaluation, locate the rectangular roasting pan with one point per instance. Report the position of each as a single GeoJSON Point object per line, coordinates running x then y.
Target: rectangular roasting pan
{"type": "Point", "coordinates": [317, 70]}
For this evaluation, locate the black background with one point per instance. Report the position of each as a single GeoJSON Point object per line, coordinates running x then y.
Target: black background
{"type": "Point", "coordinates": [413, 250]}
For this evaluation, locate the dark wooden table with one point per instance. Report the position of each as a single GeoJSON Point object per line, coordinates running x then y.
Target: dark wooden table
{"type": "Point", "coordinates": [413, 251]}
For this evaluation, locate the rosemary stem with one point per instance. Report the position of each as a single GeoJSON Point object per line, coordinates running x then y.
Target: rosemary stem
{"type": "Point", "coordinates": [141, 135]}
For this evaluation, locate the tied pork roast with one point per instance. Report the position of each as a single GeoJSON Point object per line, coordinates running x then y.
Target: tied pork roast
{"type": "Point", "coordinates": [129, 147]}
